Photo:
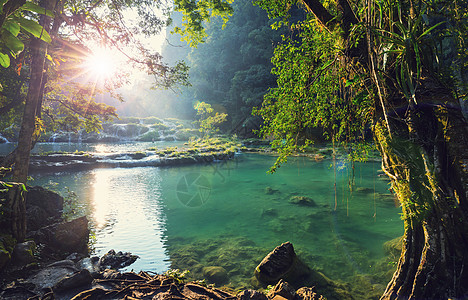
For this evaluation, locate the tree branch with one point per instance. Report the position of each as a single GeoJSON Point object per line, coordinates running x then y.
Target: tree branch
{"type": "Point", "coordinates": [321, 13]}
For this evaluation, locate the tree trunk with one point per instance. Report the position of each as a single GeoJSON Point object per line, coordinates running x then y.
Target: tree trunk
{"type": "Point", "coordinates": [426, 160]}
{"type": "Point", "coordinates": [28, 125]}
{"type": "Point", "coordinates": [13, 217]}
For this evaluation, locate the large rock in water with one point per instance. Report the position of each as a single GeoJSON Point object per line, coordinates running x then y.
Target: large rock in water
{"type": "Point", "coordinates": [66, 236]}
{"type": "Point", "coordinates": [43, 207]}
{"type": "Point", "coordinates": [281, 263]}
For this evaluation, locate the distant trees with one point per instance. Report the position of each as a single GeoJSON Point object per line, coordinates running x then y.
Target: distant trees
{"type": "Point", "coordinates": [232, 68]}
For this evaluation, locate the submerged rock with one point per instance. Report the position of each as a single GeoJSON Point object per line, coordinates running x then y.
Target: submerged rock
{"type": "Point", "coordinates": [394, 247]}
{"type": "Point", "coordinates": [270, 191]}
{"type": "Point", "coordinates": [302, 200]}
{"type": "Point", "coordinates": [281, 263]}
{"type": "Point", "coordinates": [215, 274]}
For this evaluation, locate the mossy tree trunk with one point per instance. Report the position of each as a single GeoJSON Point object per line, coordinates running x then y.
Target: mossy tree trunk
{"type": "Point", "coordinates": [33, 102]}
{"type": "Point", "coordinates": [13, 210]}
{"type": "Point", "coordinates": [426, 159]}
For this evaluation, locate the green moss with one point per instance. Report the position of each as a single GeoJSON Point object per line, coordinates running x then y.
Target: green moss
{"type": "Point", "coordinates": [149, 136]}
{"type": "Point", "coordinates": [7, 243]}
{"type": "Point", "coordinates": [159, 126]}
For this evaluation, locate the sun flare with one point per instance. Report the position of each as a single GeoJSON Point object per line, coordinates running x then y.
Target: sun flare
{"type": "Point", "coordinates": [101, 63]}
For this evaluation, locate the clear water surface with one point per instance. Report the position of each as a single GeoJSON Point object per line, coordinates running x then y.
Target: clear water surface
{"type": "Point", "coordinates": [235, 207]}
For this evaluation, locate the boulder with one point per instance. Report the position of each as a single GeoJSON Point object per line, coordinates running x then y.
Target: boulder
{"type": "Point", "coordinates": [302, 200]}
{"type": "Point", "coordinates": [251, 295]}
{"type": "Point", "coordinates": [23, 253]}
{"type": "Point", "coordinates": [43, 207]}
{"type": "Point", "coordinates": [72, 281]}
{"type": "Point", "coordinates": [52, 274]}
{"type": "Point", "coordinates": [281, 263]}
{"type": "Point", "coordinates": [112, 260]}
{"type": "Point", "coordinates": [215, 274]}
{"type": "Point", "coordinates": [66, 236]}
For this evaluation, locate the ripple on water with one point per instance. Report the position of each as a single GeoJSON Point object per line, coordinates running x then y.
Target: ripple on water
{"type": "Point", "coordinates": [240, 220]}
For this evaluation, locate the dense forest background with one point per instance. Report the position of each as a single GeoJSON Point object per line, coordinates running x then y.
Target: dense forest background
{"type": "Point", "coordinates": [230, 71]}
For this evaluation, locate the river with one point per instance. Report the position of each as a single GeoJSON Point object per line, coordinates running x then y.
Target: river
{"type": "Point", "coordinates": [232, 213]}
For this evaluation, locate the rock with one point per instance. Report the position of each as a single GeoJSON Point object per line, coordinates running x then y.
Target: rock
{"type": "Point", "coordinates": [251, 295]}
{"type": "Point", "coordinates": [62, 263]}
{"type": "Point", "coordinates": [281, 263]}
{"type": "Point", "coordinates": [270, 191]}
{"type": "Point", "coordinates": [76, 256]}
{"type": "Point", "coordinates": [23, 253]}
{"type": "Point", "coordinates": [269, 212]}
{"type": "Point", "coordinates": [214, 274]}
{"type": "Point", "coordinates": [283, 290]}
{"type": "Point", "coordinates": [79, 279]}
{"type": "Point", "coordinates": [68, 237]}
{"type": "Point", "coordinates": [112, 260]}
{"type": "Point", "coordinates": [7, 244]}
{"type": "Point", "coordinates": [89, 263]}
{"type": "Point", "coordinates": [51, 275]}
{"type": "Point", "coordinates": [302, 200]}
{"type": "Point", "coordinates": [43, 207]}
{"type": "Point", "coordinates": [394, 247]}
{"type": "Point", "coordinates": [308, 293]}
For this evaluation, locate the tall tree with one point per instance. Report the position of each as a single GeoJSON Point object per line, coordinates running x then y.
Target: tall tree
{"type": "Point", "coordinates": [74, 27]}
{"type": "Point", "coordinates": [33, 99]}
{"type": "Point", "coordinates": [393, 67]}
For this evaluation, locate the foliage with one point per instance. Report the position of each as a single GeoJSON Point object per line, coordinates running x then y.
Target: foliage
{"type": "Point", "coordinates": [209, 120]}
{"type": "Point", "coordinates": [195, 13]}
{"type": "Point", "coordinates": [15, 27]}
{"type": "Point", "coordinates": [177, 275]}
{"type": "Point", "coordinates": [312, 92]}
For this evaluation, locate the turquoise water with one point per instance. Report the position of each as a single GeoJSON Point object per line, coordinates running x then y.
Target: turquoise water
{"type": "Point", "coordinates": [232, 214]}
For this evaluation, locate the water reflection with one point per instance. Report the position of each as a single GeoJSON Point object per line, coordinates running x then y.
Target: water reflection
{"type": "Point", "coordinates": [128, 216]}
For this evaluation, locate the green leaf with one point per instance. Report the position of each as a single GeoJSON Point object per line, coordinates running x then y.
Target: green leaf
{"type": "Point", "coordinates": [35, 29]}
{"type": "Point", "coordinates": [12, 42]}
{"type": "Point", "coordinates": [37, 9]}
{"type": "Point", "coordinates": [1, 5]}
{"type": "Point", "coordinates": [12, 27]}
{"type": "Point", "coordinates": [4, 60]}
{"type": "Point", "coordinates": [430, 29]}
